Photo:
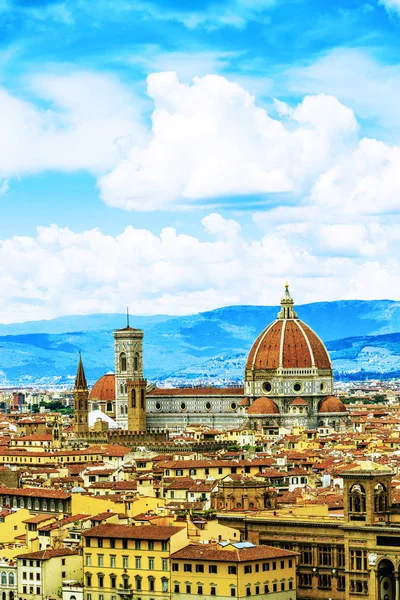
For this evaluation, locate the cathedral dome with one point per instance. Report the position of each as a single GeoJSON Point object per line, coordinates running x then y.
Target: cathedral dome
{"type": "Point", "coordinates": [263, 406]}
{"type": "Point", "coordinates": [331, 404]}
{"type": "Point", "coordinates": [288, 343]}
{"type": "Point", "coordinates": [104, 388]}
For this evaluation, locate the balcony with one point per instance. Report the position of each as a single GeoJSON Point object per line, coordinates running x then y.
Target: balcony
{"type": "Point", "coordinates": [125, 593]}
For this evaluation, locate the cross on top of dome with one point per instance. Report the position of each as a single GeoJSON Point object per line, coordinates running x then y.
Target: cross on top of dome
{"type": "Point", "coordinates": [287, 304]}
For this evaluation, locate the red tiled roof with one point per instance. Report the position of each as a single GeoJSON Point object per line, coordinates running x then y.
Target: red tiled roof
{"type": "Point", "coordinates": [34, 493]}
{"type": "Point", "coordinates": [47, 554]}
{"type": "Point", "coordinates": [217, 554]}
{"type": "Point", "coordinates": [263, 406]}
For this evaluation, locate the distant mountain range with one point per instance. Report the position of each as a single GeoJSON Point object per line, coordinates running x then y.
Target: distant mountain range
{"type": "Point", "coordinates": [363, 338]}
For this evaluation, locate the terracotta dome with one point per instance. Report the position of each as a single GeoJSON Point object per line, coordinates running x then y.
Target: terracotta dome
{"type": "Point", "coordinates": [298, 402]}
{"type": "Point", "coordinates": [104, 388]}
{"type": "Point", "coordinates": [331, 404]}
{"type": "Point", "coordinates": [263, 406]}
{"type": "Point", "coordinates": [288, 343]}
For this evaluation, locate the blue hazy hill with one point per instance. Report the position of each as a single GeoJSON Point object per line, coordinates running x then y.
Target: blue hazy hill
{"type": "Point", "coordinates": [361, 335]}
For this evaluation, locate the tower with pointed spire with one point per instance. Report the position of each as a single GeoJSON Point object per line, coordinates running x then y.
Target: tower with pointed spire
{"type": "Point", "coordinates": [128, 351]}
{"type": "Point", "coordinates": [287, 304]}
{"type": "Point", "coordinates": [81, 400]}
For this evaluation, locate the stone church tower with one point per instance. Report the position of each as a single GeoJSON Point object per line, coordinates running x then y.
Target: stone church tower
{"type": "Point", "coordinates": [128, 348]}
{"type": "Point", "coordinates": [137, 404]}
{"type": "Point", "coordinates": [56, 434]}
{"type": "Point", "coordinates": [81, 400]}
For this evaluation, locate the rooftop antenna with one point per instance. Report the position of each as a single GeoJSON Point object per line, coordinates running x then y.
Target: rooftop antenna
{"type": "Point", "coordinates": [127, 316]}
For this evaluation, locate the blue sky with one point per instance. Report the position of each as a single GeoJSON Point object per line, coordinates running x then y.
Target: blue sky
{"type": "Point", "coordinates": [179, 156]}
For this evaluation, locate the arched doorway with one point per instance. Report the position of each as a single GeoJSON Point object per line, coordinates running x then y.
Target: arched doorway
{"type": "Point", "coordinates": [386, 580]}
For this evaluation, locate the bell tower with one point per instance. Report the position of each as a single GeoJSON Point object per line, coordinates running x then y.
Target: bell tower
{"type": "Point", "coordinates": [81, 400]}
{"type": "Point", "coordinates": [56, 433]}
{"type": "Point", "coordinates": [128, 349]}
{"type": "Point", "coordinates": [367, 493]}
{"type": "Point", "coordinates": [137, 404]}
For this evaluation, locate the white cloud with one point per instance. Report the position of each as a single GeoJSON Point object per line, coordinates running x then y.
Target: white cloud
{"type": "Point", "coordinates": [60, 272]}
{"type": "Point", "coordinates": [391, 5]}
{"type": "Point", "coordinates": [72, 125]}
{"type": "Point", "coordinates": [371, 88]}
{"type": "Point", "coordinates": [209, 139]}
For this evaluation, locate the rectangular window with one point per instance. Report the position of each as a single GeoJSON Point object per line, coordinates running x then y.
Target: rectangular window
{"type": "Point", "coordinates": [137, 544]}
{"type": "Point", "coordinates": [87, 542]}
{"type": "Point", "coordinates": [187, 567]}
{"type": "Point", "coordinates": [358, 586]}
{"type": "Point", "coordinates": [200, 589]}
{"type": "Point", "coordinates": [290, 563]}
{"type": "Point", "coordinates": [325, 556]}
{"type": "Point", "coordinates": [151, 564]}
{"type": "Point", "coordinates": [266, 588]}
{"type": "Point", "coordinates": [164, 546]}
{"type": "Point", "coordinates": [340, 556]}
{"type": "Point", "coordinates": [305, 554]}
{"type": "Point", "coordinates": [199, 568]}
{"type": "Point", "coordinates": [100, 558]}
{"type": "Point", "coordinates": [164, 564]}
{"type": "Point", "coordinates": [247, 569]}
{"type": "Point", "coordinates": [100, 543]}
{"type": "Point", "coordinates": [125, 562]}
{"type": "Point", "coordinates": [176, 588]}
{"type": "Point", "coordinates": [358, 560]}
{"type": "Point", "coordinates": [188, 588]}
{"type": "Point", "coordinates": [112, 543]}
{"type": "Point", "coordinates": [151, 545]}
{"type": "Point", "coordinates": [232, 570]}
{"type": "Point", "coordinates": [212, 568]}
{"type": "Point", "coordinates": [248, 591]}
{"type": "Point", "coordinates": [341, 583]}
{"type": "Point", "coordinates": [290, 585]}
{"type": "Point", "coordinates": [213, 590]}
{"type": "Point", "coordinates": [265, 566]}
{"type": "Point", "coordinates": [282, 586]}
{"type": "Point", "coordinates": [37, 576]}
{"type": "Point", "coordinates": [125, 545]}
{"type": "Point", "coordinates": [233, 592]}
{"type": "Point", "coordinates": [257, 590]}
{"type": "Point", "coordinates": [113, 561]}
{"type": "Point", "coordinates": [151, 584]}
{"type": "Point", "coordinates": [164, 585]}
{"type": "Point", "coordinates": [282, 564]}
{"type": "Point", "coordinates": [175, 566]}
{"type": "Point", "coordinates": [38, 590]}
{"type": "Point", "coordinates": [88, 560]}
{"type": "Point", "coordinates": [138, 562]}
{"type": "Point", "coordinates": [305, 580]}
{"type": "Point", "coordinates": [274, 566]}
{"type": "Point", "coordinates": [324, 582]}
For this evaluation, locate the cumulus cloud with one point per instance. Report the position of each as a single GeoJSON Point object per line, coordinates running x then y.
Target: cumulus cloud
{"type": "Point", "coordinates": [71, 124]}
{"type": "Point", "coordinates": [210, 139]}
{"type": "Point", "coordinates": [60, 272]}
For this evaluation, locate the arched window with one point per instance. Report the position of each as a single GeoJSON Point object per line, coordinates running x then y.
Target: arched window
{"type": "Point", "coordinates": [357, 503]}
{"type": "Point", "coordinates": [121, 388]}
{"type": "Point", "coordinates": [36, 505]}
{"type": "Point", "coordinates": [109, 407]}
{"type": "Point", "coordinates": [29, 503]}
{"type": "Point", "coordinates": [11, 578]}
{"type": "Point", "coordinates": [380, 498]}
{"type": "Point", "coordinates": [44, 505]}
{"type": "Point", "coordinates": [4, 578]}
{"type": "Point", "coordinates": [136, 362]}
{"type": "Point", "coordinates": [125, 389]}
{"type": "Point", "coordinates": [21, 503]}
{"type": "Point", "coordinates": [52, 505]}
{"type": "Point", "coordinates": [133, 399]}
{"type": "Point", "coordinates": [122, 362]}
{"type": "Point", "coordinates": [142, 399]}
{"type": "Point", "coordinates": [138, 583]}
{"type": "Point", "coordinates": [60, 506]}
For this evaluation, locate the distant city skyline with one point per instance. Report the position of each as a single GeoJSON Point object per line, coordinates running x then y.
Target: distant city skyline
{"type": "Point", "coordinates": [181, 156]}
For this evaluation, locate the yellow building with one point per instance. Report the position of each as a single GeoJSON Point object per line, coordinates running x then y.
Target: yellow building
{"type": "Point", "coordinates": [233, 570]}
{"type": "Point", "coordinates": [12, 524]}
{"type": "Point", "coordinates": [132, 561]}
{"type": "Point", "coordinates": [40, 574]}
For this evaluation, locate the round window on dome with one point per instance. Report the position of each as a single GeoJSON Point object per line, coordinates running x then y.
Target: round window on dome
{"type": "Point", "coordinates": [233, 406]}
{"type": "Point", "coordinates": [322, 387]}
{"type": "Point", "coordinates": [297, 387]}
{"type": "Point", "coordinates": [208, 405]}
{"type": "Point", "coordinates": [158, 406]}
{"type": "Point", "coordinates": [267, 387]}
{"type": "Point", "coordinates": [183, 406]}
